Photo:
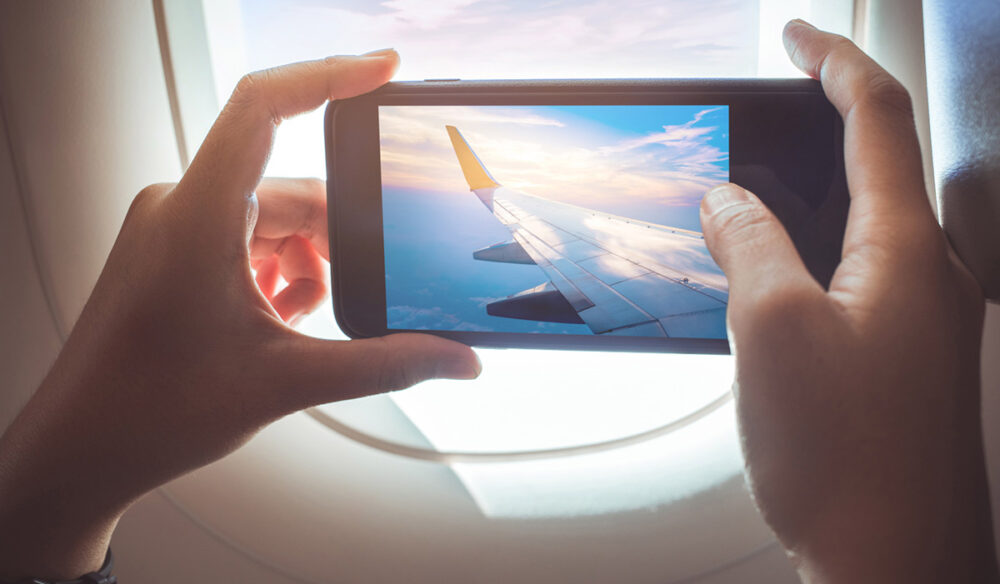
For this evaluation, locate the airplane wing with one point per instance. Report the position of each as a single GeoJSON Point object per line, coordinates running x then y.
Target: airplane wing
{"type": "Point", "coordinates": [617, 275]}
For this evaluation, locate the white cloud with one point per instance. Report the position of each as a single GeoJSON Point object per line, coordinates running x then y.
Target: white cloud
{"type": "Point", "coordinates": [675, 166]}
{"type": "Point", "coordinates": [518, 38]}
{"type": "Point", "coordinates": [427, 14]}
{"type": "Point", "coordinates": [435, 318]}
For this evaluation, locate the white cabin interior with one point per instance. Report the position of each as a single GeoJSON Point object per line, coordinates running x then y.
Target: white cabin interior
{"type": "Point", "coordinates": [443, 482]}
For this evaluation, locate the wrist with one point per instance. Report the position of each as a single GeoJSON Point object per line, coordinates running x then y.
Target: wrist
{"type": "Point", "coordinates": [57, 507]}
{"type": "Point", "coordinates": [910, 538]}
{"type": "Point", "coordinates": [52, 542]}
{"type": "Point", "coordinates": [52, 530]}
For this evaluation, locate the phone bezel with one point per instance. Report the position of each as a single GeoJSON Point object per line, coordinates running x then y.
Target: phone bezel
{"type": "Point", "coordinates": [354, 190]}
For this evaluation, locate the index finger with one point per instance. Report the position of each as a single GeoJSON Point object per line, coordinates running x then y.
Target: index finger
{"type": "Point", "coordinates": [231, 160]}
{"type": "Point", "coordinates": [881, 151]}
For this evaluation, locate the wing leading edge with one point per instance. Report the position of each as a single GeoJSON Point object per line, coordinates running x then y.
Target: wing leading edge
{"type": "Point", "coordinates": [619, 275]}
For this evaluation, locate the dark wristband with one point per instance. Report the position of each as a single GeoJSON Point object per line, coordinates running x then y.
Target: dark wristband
{"type": "Point", "coordinates": [102, 576]}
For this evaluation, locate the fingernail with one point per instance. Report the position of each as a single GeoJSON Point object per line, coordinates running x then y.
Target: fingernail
{"type": "Point", "coordinates": [800, 22]}
{"type": "Point", "coordinates": [724, 196]}
{"type": "Point", "coordinates": [477, 366]}
{"type": "Point", "coordinates": [380, 53]}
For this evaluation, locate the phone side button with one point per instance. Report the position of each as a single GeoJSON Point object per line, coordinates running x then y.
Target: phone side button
{"type": "Point", "coordinates": [441, 80]}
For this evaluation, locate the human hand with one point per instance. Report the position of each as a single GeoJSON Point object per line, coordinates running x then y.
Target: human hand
{"type": "Point", "coordinates": [179, 357]}
{"type": "Point", "coordinates": [859, 406]}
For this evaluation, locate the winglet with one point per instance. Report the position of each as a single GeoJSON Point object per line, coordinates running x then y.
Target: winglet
{"type": "Point", "coordinates": [475, 173]}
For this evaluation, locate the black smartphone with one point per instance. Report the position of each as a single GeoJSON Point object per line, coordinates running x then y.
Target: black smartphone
{"type": "Point", "coordinates": [564, 214]}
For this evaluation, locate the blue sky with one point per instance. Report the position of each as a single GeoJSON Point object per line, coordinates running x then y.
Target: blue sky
{"type": "Point", "coordinates": [648, 162]}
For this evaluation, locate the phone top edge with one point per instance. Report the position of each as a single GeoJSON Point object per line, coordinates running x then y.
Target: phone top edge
{"type": "Point", "coordinates": [743, 85]}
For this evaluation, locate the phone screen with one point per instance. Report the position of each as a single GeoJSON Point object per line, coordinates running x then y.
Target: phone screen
{"type": "Point", "coordinates": [579, 220]}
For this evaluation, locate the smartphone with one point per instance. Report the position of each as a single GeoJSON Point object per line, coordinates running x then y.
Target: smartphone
{"type": "Point", "coordinates": [564, 214]}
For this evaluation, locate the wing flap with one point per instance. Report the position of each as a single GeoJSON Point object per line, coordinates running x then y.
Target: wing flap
{"type": "Point", "coordinates": [662, 297]}
{"type": "Point", "coordinates": [600, 306]}
{"type": "Point", "coordinates": [543, 303]}
{"type": "Point", "coordinates": [577, 299]}
{"type": "Point", "coordinates": [509, 252]}
{"type": "Point", "coordinates": [615, 294]}
{"type": "Point", "coordinates": [708, 324]}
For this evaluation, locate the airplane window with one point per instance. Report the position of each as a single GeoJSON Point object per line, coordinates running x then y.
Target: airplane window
{"type": "Point", "coordinates": [526, 401]}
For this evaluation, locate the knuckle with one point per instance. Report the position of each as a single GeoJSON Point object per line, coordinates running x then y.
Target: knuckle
{"type": "Point", "coordinates": [246, 89]}
{"type": "Point", "coordinates": [147, 197]}
{"type": "Point", "coordinates": [770, 310]}
{"type": "Point", "coordinates": [924, 251]}
{"type": "Point", "coordinates": [739, 222]}
{"type": "Point", "coordinates": [392, 374]}
{"type": "Point", "coordinates": [395, 374]}
{"type": "Point", "coordinates": [314, 210]}
{"type": "Point", "coordinates": [399, 367]}
{"type": "Point", "coordinates": [332, 61]}
{"type": "Point", "coordinates": [868, 82]}
{"type": "Point", "coordinates": [911, 246]}
{"type": "Point", "coordinates": [842, 46]}
{"type": "Point", "coordinates": [884, 91]}
{"type": "Point", "coordinates": [251, 90]}
{"type": "Point", "coordinates": [331, 64]}
{"type": "Point", "coordinates": [839, 57]}
{"type": "Point", "coordinates": [249, 86]}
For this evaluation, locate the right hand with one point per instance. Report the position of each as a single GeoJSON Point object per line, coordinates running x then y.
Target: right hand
{"type": "Point", "coordinates": [859, 406]}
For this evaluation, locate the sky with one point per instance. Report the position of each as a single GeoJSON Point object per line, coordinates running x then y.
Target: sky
{"type": "Point", "coordinates": [503, 39]}
{"type": "Point", "coordinates": [516, 38]}
{"type": "Point", "coordinates": [652, 163]}
{"type": "Point", "coordinates": [635, 161]}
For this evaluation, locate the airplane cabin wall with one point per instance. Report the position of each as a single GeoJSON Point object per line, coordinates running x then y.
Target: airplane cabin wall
{"type": "Point", "coordinates": [86, 124]}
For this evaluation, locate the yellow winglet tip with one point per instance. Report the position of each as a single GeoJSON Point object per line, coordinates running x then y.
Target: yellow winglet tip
{"type": "Point", "coordinates": [475, 172]}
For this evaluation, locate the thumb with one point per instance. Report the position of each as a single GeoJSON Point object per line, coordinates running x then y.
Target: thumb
{"type": "Point", "coordinates": [750, 244]}
{"type": "Point", "coordinates": [320, 371]}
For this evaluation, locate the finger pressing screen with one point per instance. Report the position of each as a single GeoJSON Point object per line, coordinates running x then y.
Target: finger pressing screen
{"type": "Point", "coordinates": [750, 244]}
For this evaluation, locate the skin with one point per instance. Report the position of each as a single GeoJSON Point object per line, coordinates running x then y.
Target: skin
{"type": "Point", "coordinates": [858, 406]}
{"type": "Point", "coordinates": [179, 357]}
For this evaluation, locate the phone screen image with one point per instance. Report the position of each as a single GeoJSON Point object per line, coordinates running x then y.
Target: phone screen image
{"type": "Point", "coordinates": [579, 220]}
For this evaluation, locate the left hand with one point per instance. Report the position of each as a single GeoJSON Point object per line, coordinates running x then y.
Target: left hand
{"type": "Point", "coordinates": [179, 357]}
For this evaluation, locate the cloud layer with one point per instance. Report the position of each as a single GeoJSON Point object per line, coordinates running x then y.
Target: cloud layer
{"type": "Point", "coordinates": [568, 158]}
